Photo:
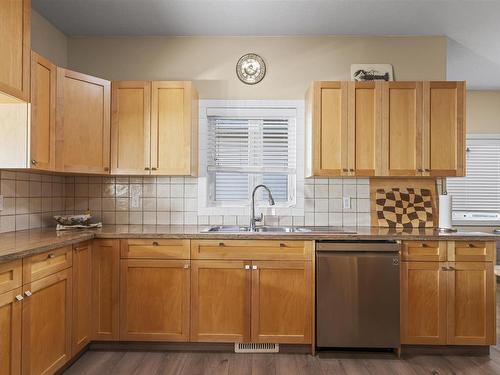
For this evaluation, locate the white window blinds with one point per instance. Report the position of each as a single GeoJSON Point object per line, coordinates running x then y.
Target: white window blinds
{"type": "Point", "coordinates": [479, 191]}
{"type": "Point", "coordinates": [244, 151]}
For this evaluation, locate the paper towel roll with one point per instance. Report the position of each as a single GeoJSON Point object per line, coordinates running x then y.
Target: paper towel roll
{"type": "Point", "coordinates": [445, 202]}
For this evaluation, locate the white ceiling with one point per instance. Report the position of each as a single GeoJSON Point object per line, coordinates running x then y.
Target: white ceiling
{"type": "Point", "coordinates": [473, 26]}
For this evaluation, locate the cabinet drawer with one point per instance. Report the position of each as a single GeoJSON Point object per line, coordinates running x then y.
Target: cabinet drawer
{"type": "Point", "coordinates": [432, 251]}
{"type": "Point", "coordinates": [155, 249]}
{"type": "Point", "coordinates": [46, 264]}
{"type": "Point", "coordinates": [251, 249]}
{"type": "Point", "coordinates": [473, 251]}
{"type": "Point", "coordinates": [11, 276]}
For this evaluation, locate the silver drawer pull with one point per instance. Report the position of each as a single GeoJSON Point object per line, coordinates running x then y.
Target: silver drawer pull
{"type": "Point", "coordinates": [19, 297]}
{"type": "Point", "coordinates": [155, 243]}
{"type": "Point", "coordinates": [254, 267]}
{"type": "Point", "coordinates": [247, 267]}
{"type": "Point", "coordinates": [186, 266]}
{"type": "Point", "coordinates": [221, 244]}
{"type": "Point", "coordinates": [51, 256]}
{"type": "Point", "coordinates": [28, 293]}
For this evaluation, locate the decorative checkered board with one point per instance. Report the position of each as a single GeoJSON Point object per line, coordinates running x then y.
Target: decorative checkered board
{"type": "Point", "coordinates": [402, 208]}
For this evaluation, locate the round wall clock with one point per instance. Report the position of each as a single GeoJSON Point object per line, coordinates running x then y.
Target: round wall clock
{"type": "Point", "coordinates": [251, 69]}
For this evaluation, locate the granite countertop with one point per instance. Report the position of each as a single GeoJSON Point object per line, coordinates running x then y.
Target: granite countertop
{"type": "Point", "coordinates": [16, 245]}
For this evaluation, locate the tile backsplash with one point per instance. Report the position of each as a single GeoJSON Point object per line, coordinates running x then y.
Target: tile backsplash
{"type": "Point", "coordinates": [31, 199]}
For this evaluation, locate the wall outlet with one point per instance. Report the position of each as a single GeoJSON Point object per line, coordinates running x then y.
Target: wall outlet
{"type": "Point", "coordinates": [135, 202]}
{"type": "Point", "coordinates": [346, 202]}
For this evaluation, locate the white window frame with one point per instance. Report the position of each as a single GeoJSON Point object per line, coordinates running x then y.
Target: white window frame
{"type": "Point", "coordinates": [476, 217]}
{"type": "Point", "coordinates": [207, 107]}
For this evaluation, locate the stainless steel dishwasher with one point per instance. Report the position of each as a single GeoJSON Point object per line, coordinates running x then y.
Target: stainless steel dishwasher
{"type": "Point", "coordinates": [357, 294]}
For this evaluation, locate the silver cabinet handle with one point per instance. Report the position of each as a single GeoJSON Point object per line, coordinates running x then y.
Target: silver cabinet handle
{"type": "Point", "coordinates": [445, 269]}
{"type": "Point", "coordinates": [247, 267]}
{"type": "Point", "coordinates": [51, 256]}
{"type": "Point", "coordinates": [19, 297]}
{"type": "Point", "coordinates": [34, 162]}
{"type": "Point", "coordinates": [452, 269]}
{"type": "Point", "coordinates": [427, 169]}
{"type": "Point", "coordinates": [186, 266]}
{"type": "Point", "coordinates": [146, 168]}
{"type": "Point", "coordinates": [254, 267]}
{"type": "Point", "coordinates": [28, 293]}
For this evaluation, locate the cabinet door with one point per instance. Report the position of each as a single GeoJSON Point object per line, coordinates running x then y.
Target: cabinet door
{"type": "Point", "coordinates": [47, 324]}
{"type": "Point", "coordinates": [471, 304]}
{"type": "Point", "coordinates": [10, 332]}
{"type": "Point", "coordinates": [154, 300]}
{"type": "Point", "coordinates": [15, 45]}
{"type": "Point", "coordinates": [402, 128]}
{"type": "Point", "coordinates": [43, 114]}
{"type": "Point", "coordinates": [174, 129]}
{"type": "Point", "coordinates": [444, 128]}
{"type": "Point", "coordinates": [282, 302]}
{"type": "Point", "coordinates": [329, 129]}
{"type": "Point", "coordinates": [131, 127]}
{"type": "Point", "coordinates": [423, 303]}
{"type": "Point", "coordinates": [82, 123]}
{"type": "Point", "coordinates": [220, 301]}
{"type": "Point", "coordinates": [105, 289]}
{"type": "Point", "coordinates": [82, 284]}
{"type": "Point", "coordinates": [365, 128]}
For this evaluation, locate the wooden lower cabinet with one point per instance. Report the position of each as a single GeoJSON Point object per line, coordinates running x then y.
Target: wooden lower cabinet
{"type": "Point", "coordinates": [220, 301]}
{"type": "Point", "coordinates": [259, 301]}
{"type": "Point", "coordinates": [105, 289]}
{"type": "Point", "coordinates": [423, 303]}
{"type": "Point", "coordinates": [281, 301]}
{"type": "Point", "coordinates": [471, 304]}
{"type": "Point", "coordinates": [154, 300]}
{"type": "Point", "coordinates": [46, 320]}
{"type": "Point", "coordinates": [448, 303]}
{"type": "Point", "coordinates": [82, 284]}
{"type": "Point", "coordinates": [10, 332]}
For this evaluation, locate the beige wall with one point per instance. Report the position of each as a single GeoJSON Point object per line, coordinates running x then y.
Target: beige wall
{"type": "Point", "coordinates": [47, 40]}
{"type": "Point", "coordinates": [292, 62]}
{"type": "Point", "coordinates": [483, 112]}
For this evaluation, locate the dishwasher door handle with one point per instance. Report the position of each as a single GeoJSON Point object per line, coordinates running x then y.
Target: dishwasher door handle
{"type": "Point", "coordinates": [357, 247]}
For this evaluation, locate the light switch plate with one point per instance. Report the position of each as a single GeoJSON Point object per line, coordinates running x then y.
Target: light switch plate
{"type": "Point", "coordinates": [1, 202]}
{"type": "Point", "coordinates": [346, 202]}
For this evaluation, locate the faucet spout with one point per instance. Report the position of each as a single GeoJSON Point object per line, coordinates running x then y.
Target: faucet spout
{"type": "Point", "coordinates": [254, 219]}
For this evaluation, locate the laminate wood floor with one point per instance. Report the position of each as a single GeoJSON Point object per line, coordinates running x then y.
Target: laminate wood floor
{"type": "Point", "coordinates": [197, 363]}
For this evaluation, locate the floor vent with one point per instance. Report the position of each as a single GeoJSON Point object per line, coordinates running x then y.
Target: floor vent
{"type": "Point", "coordinates": [252, 347]}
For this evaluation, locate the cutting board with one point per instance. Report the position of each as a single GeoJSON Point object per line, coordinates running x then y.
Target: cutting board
{"type": "Point", "coordinates": [403, 203]}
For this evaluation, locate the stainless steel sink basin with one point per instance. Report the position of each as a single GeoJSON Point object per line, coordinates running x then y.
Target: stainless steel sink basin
{"type": "Point", "coordinates": [243, 229]}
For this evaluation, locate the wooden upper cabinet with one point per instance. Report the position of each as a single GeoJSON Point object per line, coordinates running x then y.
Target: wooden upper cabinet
{"type": "Point", "coordinates": [174, 128]}
{"type": "Point", "coordinates": [15, 29]}
{"type": "Point", "coordinates": [471, 303]}
{"type": "Point", "coordinates": [82, 286]}
{"type": "Point", "coordinates": [154, 300]}
{"type": "Point", "coordinates": [444, 128]}
{"type": "Point", "coordinates": [282, 301]}
{"type": "Point", "coordinates": [82, 123]}
{"type": "Point", "coordinates": [423, 303]}
{"type": "Point", "coordinates": [46, 315]}
{"type": "Point", "coordinates": [402, 128]}
{"type": "Point", "coordinates": [131, 127]}
{"type": "Point", "coordinates": [43, 113]}
{"type": "Point", "coordinates": [365, 128]}
{"type": "Point", "coordinates": [10, 332]}
{"type": "Point", "coordinates": [327, 129]}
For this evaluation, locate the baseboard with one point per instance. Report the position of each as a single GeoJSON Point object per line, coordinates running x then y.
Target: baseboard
{"type": "Point", "coordinates": [467, 350]}
{"type": "Point", "coordinates": [73, 359]}
{"type": "Point", "coordinates": [184, 347]}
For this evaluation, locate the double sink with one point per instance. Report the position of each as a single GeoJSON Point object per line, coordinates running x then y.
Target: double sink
{"type": "Point", "coordinates": [270, 229]}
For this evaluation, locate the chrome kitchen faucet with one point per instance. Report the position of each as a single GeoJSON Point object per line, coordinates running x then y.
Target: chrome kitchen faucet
{"type": "Point", "coordinates": [254, 219]}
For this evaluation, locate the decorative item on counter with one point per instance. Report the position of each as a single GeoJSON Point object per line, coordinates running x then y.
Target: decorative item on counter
{"type": "Point", "coordinates": [403, 208]}
{"type": "Point", "coordinates": [251, 68]}
{"type": "Point", "coordinates": [372, 72]}
{"type": "Point", "coordinates": [75, 222]}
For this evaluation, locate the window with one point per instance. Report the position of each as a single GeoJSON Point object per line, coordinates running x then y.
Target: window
{"type": "Point", "coordinates": [476, 197]}
{"type": "Point", "coordinates": [247, 147]}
